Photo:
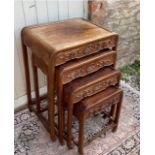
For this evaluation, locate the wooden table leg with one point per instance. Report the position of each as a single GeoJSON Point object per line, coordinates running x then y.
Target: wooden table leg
{"type": "Point", "coordinates": [60, 112]}
{"type": "Point", "coordinates": [27, 76]}
{"type": "Point", "coordinates": [81, 135]}
{"type": "Point", "coordinates": [69, 124]}
{"type": "Point", "coordinates": [118, 111]}
{"type": "Point", "coordinates": [113, 110]}
{"type": "Point", "coordinates": [50, 89]}
{"type": "Point", "coordinates": [36, 85]}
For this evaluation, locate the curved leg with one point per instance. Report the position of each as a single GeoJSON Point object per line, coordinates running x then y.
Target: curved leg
{"type": "Point", "coordinates": [81, 135]}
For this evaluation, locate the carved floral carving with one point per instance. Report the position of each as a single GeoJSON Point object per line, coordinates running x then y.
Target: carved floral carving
{"type": "Point", "coordinates": [96, 88]}
{"type": "Point", "coordinates": [88, 68]}
{"type": "Point", "coordinates": [85, 50]}
{"type": "Point", "coordinates": [98, 108]}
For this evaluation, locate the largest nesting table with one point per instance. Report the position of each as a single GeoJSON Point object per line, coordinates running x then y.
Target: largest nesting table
{"type": "Point", "coordinates": [55, 44]}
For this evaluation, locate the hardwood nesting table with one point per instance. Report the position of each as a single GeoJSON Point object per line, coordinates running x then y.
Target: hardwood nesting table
{"type": "Point", "coordinates": [83, 88]}
{"type": "Point", "coordinates": [54, 44]}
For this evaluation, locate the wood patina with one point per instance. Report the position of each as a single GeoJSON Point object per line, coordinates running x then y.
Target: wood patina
{"type": "Point", "coordinates": [64, 51]}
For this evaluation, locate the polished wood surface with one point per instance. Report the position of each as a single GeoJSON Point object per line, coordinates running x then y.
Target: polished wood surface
{"type": "Point", "coordinates": [110, 95]}
{"type": "Point", "coordinates": [83, 109]}
{"type": "Point", "coordinates": [59, 49]}
{"type": "Point", "coordinates": [65, 34]}
{"type": "Point", "coordinates": [79, 68]}
{"type": "Point", "coordinates": [85, 66]}
{"type": "Point", "coordinates": [91, 84]}
{"type": "Point", "coordinates": [81, 88]}
{"type": "Point", "coordinates": [68, 39]}
{"type": "Point", "coordinates": [53, 44]}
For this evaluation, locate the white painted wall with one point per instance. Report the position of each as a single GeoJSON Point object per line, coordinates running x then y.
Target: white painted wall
{"type": "Point", "coordinates": [29, 12]}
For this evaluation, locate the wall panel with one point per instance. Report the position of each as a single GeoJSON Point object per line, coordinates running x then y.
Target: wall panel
{"type": "Point", "coordinates": [30, 12]}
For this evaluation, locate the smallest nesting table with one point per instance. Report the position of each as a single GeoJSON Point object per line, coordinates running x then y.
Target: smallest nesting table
{"type": "Point", "coordinates": [54, 44]}
{"type": "Point", "coordinates": [95, 103]}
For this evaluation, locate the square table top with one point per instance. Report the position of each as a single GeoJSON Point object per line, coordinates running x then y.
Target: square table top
{"type": "Point", "coordinates": [64, 34]}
